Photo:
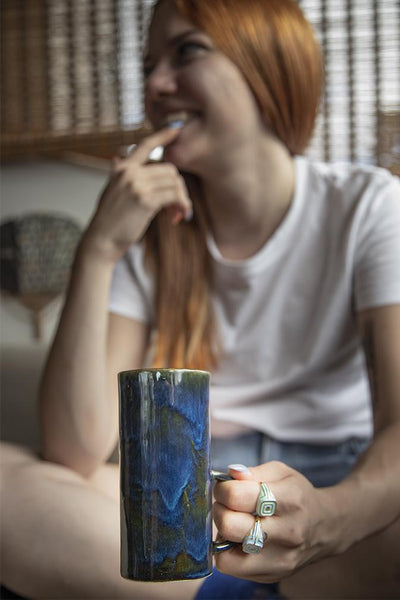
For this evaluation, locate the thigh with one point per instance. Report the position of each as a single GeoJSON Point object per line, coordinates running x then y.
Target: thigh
{"type": "Point", "coordinates": [104, 480]}
{"type": "Point", "coordinates": [61, 534]}
{"type": "Point", "coordinates": [368, 570]}
{"type": "Point", "coordinates": [13, 455]}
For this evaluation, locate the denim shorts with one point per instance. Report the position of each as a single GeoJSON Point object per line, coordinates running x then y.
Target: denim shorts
{"type": "Point", "coordinates": [323, 465]}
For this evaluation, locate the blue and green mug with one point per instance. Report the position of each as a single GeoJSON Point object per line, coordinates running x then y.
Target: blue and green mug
{"type": "Point", "coordinates": [165, 475]}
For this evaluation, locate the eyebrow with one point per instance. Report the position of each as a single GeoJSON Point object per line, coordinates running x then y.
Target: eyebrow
{"type": "Point", "coordinates": [174, 41]}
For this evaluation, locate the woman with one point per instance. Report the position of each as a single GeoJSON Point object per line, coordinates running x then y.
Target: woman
{"type": "Point", "coordinates": [250, 261]}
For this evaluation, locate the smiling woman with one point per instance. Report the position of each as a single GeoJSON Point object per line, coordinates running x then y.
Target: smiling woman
{"type": "Point", "coordinates": [214, 98]}
{"type": "Point", "coordinates": [276, 273]}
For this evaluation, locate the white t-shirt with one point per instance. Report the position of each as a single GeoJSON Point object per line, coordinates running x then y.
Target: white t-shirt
{"type": "Point", "coordinates": [292, 364]}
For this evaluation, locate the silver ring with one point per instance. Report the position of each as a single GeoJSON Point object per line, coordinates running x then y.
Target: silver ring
{"type": "Point", "coordinates": [266, 501]}
{"type": "Point", "coordinates": [253, 542]}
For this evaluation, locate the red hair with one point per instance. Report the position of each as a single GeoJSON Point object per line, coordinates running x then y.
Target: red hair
{"type": "Point", "coordinates": [178, 255]}
{"type": "Point", "coordinates": [274, 47]}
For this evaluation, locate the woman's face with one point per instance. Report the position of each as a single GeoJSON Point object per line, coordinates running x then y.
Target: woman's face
{"type": "Point", "coordinates": [188, 79]}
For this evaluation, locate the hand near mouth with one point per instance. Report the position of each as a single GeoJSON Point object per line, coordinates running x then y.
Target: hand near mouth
{"type": "Point", "coordinates": [136, 192]}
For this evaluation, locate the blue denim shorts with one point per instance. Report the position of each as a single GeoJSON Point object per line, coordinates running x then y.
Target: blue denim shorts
{"type": "Point", "coordinates": [323, 465]}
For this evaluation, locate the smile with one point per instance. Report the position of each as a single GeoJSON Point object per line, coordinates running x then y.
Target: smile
{"type": "Point", "coordinates": [178, 119]}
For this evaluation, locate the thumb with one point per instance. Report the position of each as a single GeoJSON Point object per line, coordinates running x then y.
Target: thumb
{"type": "Point", "coordinates": [242, 472]}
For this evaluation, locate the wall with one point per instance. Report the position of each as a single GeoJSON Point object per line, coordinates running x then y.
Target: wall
{"type": "Point", "coordinates": [33, 186]}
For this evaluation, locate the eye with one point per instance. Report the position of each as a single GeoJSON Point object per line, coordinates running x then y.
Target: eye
{"type": "Point", "coordinates": [188, 50]}
{"type": "Point", "coordinates": [147, 70]}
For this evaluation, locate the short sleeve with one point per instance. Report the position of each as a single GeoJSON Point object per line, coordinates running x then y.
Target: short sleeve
{"type": "Point", "coordinates": [377, 265]}
{"type": "Point", "coordinates": [131, 288]}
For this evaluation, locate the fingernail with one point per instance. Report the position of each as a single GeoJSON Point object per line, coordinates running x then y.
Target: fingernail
{"type": "Point", "coordinates": [177, 219]}
{"type": "Point", "coordinates": [189, 215]}
{"type": "Point", "coordinates": [175, 124]}
{"type": "Point", "coordinates": [240, 468]}
{"type": "Point", "coordinates": [127, 150]}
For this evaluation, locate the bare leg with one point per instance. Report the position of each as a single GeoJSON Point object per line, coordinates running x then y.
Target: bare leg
{"type": "Point", "coordinates": [60, 540]}
{"type": "Point", "coordinates": [60, 534]}
{"type": "Point", "coordinates": [369, 570]}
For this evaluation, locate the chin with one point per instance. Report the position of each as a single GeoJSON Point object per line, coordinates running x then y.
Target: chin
{"type": "Point", "coordinates": [178, 157]}
{"type": "Point", "coordinates": [187, 158]}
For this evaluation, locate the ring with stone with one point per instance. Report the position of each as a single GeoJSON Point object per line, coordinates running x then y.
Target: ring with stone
{"type": "Point", "coordinates": [253, 542]}
{"type": "Point", "coordinates": [266, 501]}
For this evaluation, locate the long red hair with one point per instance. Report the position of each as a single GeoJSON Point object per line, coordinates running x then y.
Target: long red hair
{"type": "Point", "coordinates": [274, 46]}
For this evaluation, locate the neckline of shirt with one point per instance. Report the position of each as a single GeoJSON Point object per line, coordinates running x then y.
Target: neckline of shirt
{"type": "Point", "coordinates": [276, 243]}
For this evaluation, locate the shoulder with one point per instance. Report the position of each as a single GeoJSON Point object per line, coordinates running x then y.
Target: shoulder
{"type": "Point", "coordinates": [348, 188]}
{"type": "Point", "coordinates": [347, 178]}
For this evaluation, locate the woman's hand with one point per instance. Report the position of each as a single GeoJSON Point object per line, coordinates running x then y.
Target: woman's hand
{"type": "Point", "coordinates": [295, 535]}
{"type": "Point", "coordinates": [136, 192]}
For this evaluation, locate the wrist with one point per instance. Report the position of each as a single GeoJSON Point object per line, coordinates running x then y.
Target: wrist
{"type": "Point", "coordinates": [97, 249]}
{"type": "Point", "coordinates": [344, 509]}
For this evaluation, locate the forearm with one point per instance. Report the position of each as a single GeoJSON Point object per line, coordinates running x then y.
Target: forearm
{"type": "Point", "coordinates": [368, 500]}
{"type": "Point", "coordinates": [78, 419]}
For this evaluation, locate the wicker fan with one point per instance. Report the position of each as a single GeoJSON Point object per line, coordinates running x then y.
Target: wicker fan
{"type": "Point", "coordinates": [36, 256]}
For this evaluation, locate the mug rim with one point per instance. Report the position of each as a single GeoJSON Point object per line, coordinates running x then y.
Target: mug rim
{"type": "Point", "coordinates": [160, 370]}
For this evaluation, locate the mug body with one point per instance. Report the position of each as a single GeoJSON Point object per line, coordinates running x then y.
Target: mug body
{"type": "Point", "coordinates": [166, 525]}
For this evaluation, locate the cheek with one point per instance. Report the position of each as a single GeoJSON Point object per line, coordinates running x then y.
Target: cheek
{"type": "Point", "coordinates": [147, 107]}
{"type": "Point", "coordinates": [227, 97]}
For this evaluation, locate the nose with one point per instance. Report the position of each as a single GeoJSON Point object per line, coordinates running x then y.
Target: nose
{"type": "Point", "coordinates": [161, 81]}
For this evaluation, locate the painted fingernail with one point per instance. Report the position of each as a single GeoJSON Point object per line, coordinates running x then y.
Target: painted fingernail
{"type": "Point", "coordinates": [240, 468]}
{"type": "Point", "coordinates": [129, 149]}
{"type": "Point", "coordinates": [175, 124]}
{"type": "Point", "coordinates": [189, 215]}
{"type": "Point", "coordinates": [177, 218]}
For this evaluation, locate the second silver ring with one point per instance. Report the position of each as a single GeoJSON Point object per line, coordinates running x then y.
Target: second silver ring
{"type": "Point", "coordinates": [266, 501]}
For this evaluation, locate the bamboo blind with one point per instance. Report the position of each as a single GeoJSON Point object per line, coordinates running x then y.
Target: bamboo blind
{"type": "Point", "coordinates": [360, 114]}
{"type": "Point", "coordinates": [71, 75]}
{"type": "Point", "coordinates": [72, 79]}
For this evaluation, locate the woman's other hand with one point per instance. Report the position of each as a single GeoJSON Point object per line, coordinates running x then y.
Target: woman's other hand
{"type": "Point", "coordinates": [298, 532]}
{"type": "Point", "coordinates": [136, 192]}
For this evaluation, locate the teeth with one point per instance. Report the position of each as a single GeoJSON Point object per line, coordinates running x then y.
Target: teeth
{"type": "Point", "coordinates": [176, 120]}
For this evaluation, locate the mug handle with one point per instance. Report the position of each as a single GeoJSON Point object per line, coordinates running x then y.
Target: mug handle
{"type": "Point", "coordinates": [220, 475]}
{"type": "Point", "coordinates": [218, 547]}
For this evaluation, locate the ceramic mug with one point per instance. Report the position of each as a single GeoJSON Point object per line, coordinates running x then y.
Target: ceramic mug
{"type": "Point", "coordinates": [165, 475]}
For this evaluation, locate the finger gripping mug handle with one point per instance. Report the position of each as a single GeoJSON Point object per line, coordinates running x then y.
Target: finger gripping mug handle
{"type": "Point", "coordinates": [218, 547]}
{"type": "Point", "coordinates": [220, 476]}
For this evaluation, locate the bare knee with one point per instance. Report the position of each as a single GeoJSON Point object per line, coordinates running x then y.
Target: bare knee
{"type": "Point", "coordinates": [12, 454]}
